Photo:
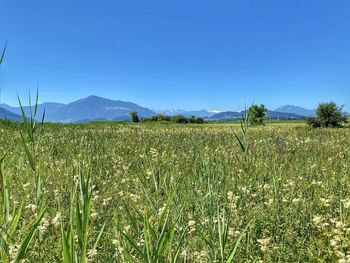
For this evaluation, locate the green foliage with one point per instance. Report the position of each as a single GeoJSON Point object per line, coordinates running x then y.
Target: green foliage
{"type": "Point", "coordinates": [313, 122]}
{"type": "Point", "coordinates": [175, 119]}
{"type": "Point", "coordinates": [257, 114]}
{"type": "Point", "coordinates": [197, 120]}
{"type": "Point", "coordinates": [160, 117]}
{"type": "Point", "coordinates": [179, 119]}
{"type": "Point", "coordinates": [278, 194]}
{"type": "Point", "coordinates": [160, 243]}
{"type": "Point", "coordinates": [328, 115]}
{"type": "Point", "coordinates": [75, 235]}
{"type": "Point", "coordinates": [134, 117]}
{"type": "Point", "coordinates": [11, 217]}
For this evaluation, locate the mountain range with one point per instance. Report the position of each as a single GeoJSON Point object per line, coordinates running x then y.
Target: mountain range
{"type": "Point", "coordinates": [273, 115]}
{"type": "Point", "coordinates": [90, 108]}
{"type": "Point", "coordinates": [297, 110]}
{"type": "Point", "coordinates": [8, 115]}
{"type": "Point", "coordinates": [198, 113]}
{"type": "Point", "coordinates": [98, 108]}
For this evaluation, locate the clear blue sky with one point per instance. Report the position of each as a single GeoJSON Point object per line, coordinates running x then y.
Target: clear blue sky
{"type": "Point", "coordinates": [178, 54]}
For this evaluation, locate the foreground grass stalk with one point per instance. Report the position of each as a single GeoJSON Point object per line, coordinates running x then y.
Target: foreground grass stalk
{"type": "Point", "coordinates": [243, 139]}
{"type": "Point", "coordinates": [75, 235]}
{"type": "Point", "coordinates": [160, 241]}
{"type": "Point", "coordinates": [32, 138]}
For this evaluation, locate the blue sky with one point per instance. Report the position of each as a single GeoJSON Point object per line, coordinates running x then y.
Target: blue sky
{"type": "Point", "coordinates": [178, 54]}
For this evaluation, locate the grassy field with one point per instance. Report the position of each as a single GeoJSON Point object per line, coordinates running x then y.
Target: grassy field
{"type": "Point", "coordinates": [176, 193]}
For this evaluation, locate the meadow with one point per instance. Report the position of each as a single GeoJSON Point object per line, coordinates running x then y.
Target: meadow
{"type": "Point", "coordinates": [106, 192]}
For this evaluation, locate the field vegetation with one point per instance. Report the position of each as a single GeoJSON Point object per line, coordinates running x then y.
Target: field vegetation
{"type": "Point", "coordinates": [154, 192]}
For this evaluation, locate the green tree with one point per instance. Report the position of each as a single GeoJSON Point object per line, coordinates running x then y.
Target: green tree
{"type": "Point", "coordinates": [257, 114]}
{"type": "Point", "coordinates": [328, 115]}
{"type": "Point", "coordinates": [134, 116]}
{"type": "Point", "coordinates": [160, 117]}
{"type": "Point", "coordinates": [179, 119]}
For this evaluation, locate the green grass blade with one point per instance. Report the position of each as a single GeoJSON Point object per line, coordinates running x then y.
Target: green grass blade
{"type": "Point", "coordinates": [234, 250]}
{"type": "Point", "coordinates": [36, 105]}
{"type": "Point", "coordinates": [67, 258]}
{"type": "Point", "coordinates": [134, 245]}
{"type": "Point", "coordinates": [22, 251]}
{"type": "Point", "coordinates": [25, 122]}
{"type": "Point", "coordinates": [13, 225]}
{"type": "Point", "coordinates": [3, 245]}
{"type": "Point", "coordinates": [99, 235]}
{"type": "Point", "coordinates": [28, 153]}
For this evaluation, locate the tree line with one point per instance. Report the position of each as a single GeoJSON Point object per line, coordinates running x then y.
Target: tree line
{"type": "Point", "coordinates": [163, 118]}
{"type": "Point", "coordinates": [328, 115]}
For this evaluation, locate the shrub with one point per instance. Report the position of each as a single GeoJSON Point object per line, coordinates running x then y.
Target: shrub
{"type": "Point", "coordinates": [179, 119]}
{"type": "Point", "coordinates": [134, 116]}
{"type": "Point", "coordinates": [160, 117]}
{"type": "Point", "coordinates": [257, 114]}
{"type": "Point", "coordinates": [195, 119]}
{"type": "Point", "coordinates": [313, 122]}
{"type": "Point", "coordinates": [328, 115]}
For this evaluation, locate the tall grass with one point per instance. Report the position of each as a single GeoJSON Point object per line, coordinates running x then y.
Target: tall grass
{"type": "Point", "coordinates": [11, 217]}
{"type": "Point", "coordinates": [75, 232]}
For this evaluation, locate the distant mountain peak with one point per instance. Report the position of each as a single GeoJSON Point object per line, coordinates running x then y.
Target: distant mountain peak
{"type": "Point", "coordinates": [8, 115]}
{"type": "Point", "coordinates": [296, 110]}
{"type": "Point", "coordinates": [215, 111]}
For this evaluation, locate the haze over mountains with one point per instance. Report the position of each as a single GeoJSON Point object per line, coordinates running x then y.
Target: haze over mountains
{"type": "Point", "coordinates": [98, 108]}
{"type": "Point", "coordinates": [297, 110]}
{"type": "Point", "coordinates": [5, 114]}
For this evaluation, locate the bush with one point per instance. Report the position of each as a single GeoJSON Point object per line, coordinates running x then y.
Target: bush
{"type": "Point", "coordinates": [197, 120]}
{"type": "Point", "coordinates": [328, 115]}
{"type": "Point", "coordinates": [134, 116]}
{"type": "Point", "coordinates": [257, 114]}
{"type": "Point", "coordinates": [160, 117]}
{"type": "Point", "coordinates": [179, 119]}
{"type": "Point", "coordinates": [313, 122]}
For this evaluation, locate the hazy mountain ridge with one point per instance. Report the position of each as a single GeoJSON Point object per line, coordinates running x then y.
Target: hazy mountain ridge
{"type": "Point", "coordinates": [297, 110]}
{"type": "Point", "coordinates": [275, 115]}
{"type": "Point", "coordinates": [8, 115]}
{"type": "Point", "coordinates": [197, 113]}
{"type": "Point", "coordinates": [90, 108]}
{"type": "Point", "coordinates": [94, 108]}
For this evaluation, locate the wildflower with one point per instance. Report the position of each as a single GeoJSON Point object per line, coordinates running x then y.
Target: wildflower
{"type": "Point", "coordinates": [346, 203]}
{"type": "Point", "coordinates": [106, 201]}
{"type": "Point", "coordinates": [191, 225]}
{"type": "Point", "coordinates": [127, 228]}
{"type": "Point", "coordinates": [317, 220]}
{"type": "Point", "coordinates": [56, 220]}
{"type": "Point", "coordinates": [229, 195]}
{"type": "Point", "coordinates": [94, 215]}
{"type": "Point", "coordinates": [25, 186]}
{"type": "Point", "coordinates": [184, 253]}
{"type": "Point", "coordinates": [31, 206]}
{"type": "Point", "coordinates": [44, 224]}
{"type": "Point", "coordinates": [264, 243]}
{"type": "Point", "coordinates": [296, 200]}
{"type": "Point", "coordinates": [141, 242]}
{"type": "Point", "coordinates": [134, 197]}
{"type": "Point", "coordinates": [92, 253]}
